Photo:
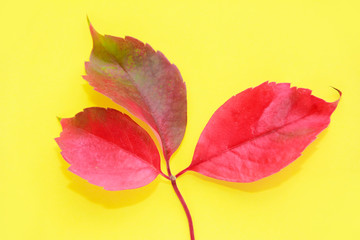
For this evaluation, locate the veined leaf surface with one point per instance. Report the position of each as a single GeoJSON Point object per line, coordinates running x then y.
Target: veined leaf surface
{"type": "Point", "coordinates": [107, 148]}
{"type": "Point", "coordinates": [144, 82]}
{"type": "Point", "coordinates": [260, 131]}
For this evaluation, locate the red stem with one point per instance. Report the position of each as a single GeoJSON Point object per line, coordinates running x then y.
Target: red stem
{"type": "Point", "coordinates": [164, 175]}
{"type": "Point", "coordinates": [182, 200]}
{"type": "Point", "coordinates": [181, 173]}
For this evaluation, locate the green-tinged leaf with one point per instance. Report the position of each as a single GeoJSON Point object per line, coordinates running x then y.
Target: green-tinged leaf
{"type": "Point", "coordinates": [144, 82]}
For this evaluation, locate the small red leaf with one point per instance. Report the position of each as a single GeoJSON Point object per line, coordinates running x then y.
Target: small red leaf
{"type": "Point", "coordinates": [143, 81]}
{"type": "Point", "coordinates": [260, 131]}
{"type": "Point", "coordinates": [109, 149]}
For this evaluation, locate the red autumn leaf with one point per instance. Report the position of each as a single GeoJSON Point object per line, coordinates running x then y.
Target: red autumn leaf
{"type": "Point", "coordinates": [260, 131]}
{"type": "Point", "coordinates": [109, 149]}
{"type": "Point", "coordinates": [144, 82]}
{"type": "Point", "coordinates": [253, 135]}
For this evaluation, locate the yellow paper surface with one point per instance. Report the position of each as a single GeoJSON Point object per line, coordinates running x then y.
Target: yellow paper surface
{"type": "Point", "coordinates": [221, 48]}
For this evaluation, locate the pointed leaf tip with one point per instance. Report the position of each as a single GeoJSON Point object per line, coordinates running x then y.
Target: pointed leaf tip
{"type": "Point", "coordinates": [88, 20]}
{"type": "Point", "coordinates": [340, 94]}
{"type": "Point", "coordinates": [90, 25]}
{"type": "Point", "coordinates": [94, 34]}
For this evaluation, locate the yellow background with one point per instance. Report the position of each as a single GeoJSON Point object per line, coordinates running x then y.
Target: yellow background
{"type": "Point", "coordinates": [221, 48]}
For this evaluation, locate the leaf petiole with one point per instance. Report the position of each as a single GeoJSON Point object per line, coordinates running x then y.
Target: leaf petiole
{"type": "Point", "coordinates": [165, 176]}
{"type": "Point", "coordinates": [181, 173]}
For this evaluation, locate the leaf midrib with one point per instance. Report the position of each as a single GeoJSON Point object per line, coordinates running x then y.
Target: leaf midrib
{"type": "Point", "coordinates": [114, 144]}
{"type": "Point", "coordinates": [148, 108]}
{"type": "Point", "coordinates": [253, 138]}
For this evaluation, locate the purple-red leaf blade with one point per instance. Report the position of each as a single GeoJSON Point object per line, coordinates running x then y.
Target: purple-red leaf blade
{"type": "Point", "coordinates": [144, 82]}
{"type": "Point", "coordinates": [107, 148]}
{"type": "Point", "coordinates": [260, 131]}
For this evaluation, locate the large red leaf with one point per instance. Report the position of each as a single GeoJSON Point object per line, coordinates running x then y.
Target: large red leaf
{"type": "Point", "coordinates": [143, 81]}
{"type": "Point", "coordinates": [260, 131]}
{"type": "Point", "coordinates": [109, 149]}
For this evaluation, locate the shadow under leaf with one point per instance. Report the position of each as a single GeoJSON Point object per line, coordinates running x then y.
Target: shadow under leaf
{"type": "Point", "coordinates": [109, 199]}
